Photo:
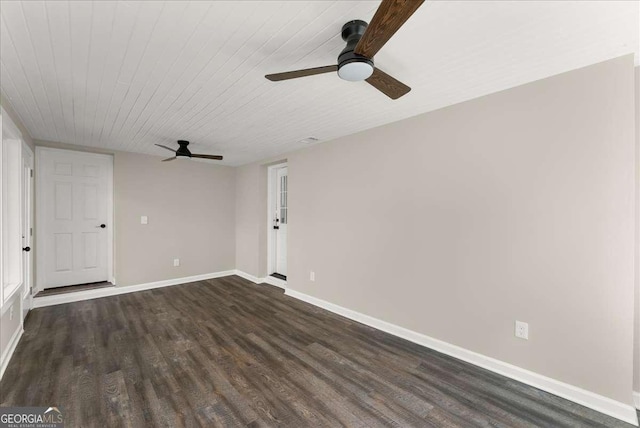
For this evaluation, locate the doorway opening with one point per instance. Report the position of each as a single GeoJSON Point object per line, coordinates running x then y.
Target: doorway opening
{"type": "Point", "coordinates": [278, 220]}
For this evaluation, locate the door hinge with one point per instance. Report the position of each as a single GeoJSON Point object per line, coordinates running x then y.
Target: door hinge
{"type": "Point", "coordinates": [31, 173]}
{"type": "Point", "coordinates": [31, 231]}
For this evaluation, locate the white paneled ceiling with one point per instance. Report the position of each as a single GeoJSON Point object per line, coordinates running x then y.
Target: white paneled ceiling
{"type": "Point", "coordinates": [125, 75]}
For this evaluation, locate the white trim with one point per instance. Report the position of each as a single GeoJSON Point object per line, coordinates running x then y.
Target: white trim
{"type": "Point", "coordinates": [266, 280]}
{"type": "Point", "coordinates": [248, 277]}
{"type": "Point", "coordinates": [8, 353]}
{"type": "Point", "coordinates": [59, 299]}
{"type": "Point", "coordinates": [78, 296]}
{"type": "Point", "coordinates": [616, 409]}
{"type": "Point", "coordinates": [277, 282]}
{"type": "Point", "coordinates": [636, 399]}
{"type": "Point", "coordinates": [39, 220]}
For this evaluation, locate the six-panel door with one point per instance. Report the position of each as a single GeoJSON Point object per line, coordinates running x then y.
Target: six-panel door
{"type": "Point", "coordinates": [73, 217]}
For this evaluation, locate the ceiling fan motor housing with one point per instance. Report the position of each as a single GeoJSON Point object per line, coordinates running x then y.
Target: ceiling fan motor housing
{"type": "Point", "coordinates": [352, 66]}
{"type": "Point", "coordinates": [182, 150]}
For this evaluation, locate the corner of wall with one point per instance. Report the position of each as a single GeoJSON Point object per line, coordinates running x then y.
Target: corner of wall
{"type": "Point", "coordinates": [26, 136]}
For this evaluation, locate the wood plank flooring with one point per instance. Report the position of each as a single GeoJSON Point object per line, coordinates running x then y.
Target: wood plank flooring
{"type": "Point", "coordinates": [227, 352]}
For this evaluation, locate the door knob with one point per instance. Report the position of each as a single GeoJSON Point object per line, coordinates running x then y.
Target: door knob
{"type": "Point", "coordinates": [27, 249]}
{"type": "Point", "coordinates": [103, 226]}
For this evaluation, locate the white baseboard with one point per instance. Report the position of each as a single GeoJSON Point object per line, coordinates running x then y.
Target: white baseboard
{"type": "Point", "coordinates": [636, 399]}
{"type": "Point", "coordinates": [58, 299]}
{"type": "Point", "coordinates": [616, 409]}
{"type": "Point", "coordinates": [266, 280]}
{"type": "Point", "coordinates": [248, 277]}
{"type": "Point", "coordinates": [275, 282]}
{"type": "Point", "coordinates": [8, 353]}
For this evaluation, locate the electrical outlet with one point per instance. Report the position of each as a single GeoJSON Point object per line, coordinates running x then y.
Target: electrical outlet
{"type": "Point", "coordinates": [144, 219]}
{"type": "Point", "coordinates": [522, 330]}
{"type": "Point", "coordinates": [312, 276]}
{"type": "Point", "coordinates": [11, 313]}
{"type": "Point", "coordinates": [176, 262]}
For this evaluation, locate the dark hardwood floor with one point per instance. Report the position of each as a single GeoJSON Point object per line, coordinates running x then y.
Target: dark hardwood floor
{"type": "Point", "coordinates": [227, 352]}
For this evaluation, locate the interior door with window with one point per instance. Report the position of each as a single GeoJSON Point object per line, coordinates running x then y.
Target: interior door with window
{"type": "Point", "coordinates": [282, 218]}
{"type": "Point", "coordinates": [74, 217]}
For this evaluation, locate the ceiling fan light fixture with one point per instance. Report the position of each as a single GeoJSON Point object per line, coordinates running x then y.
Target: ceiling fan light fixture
{"type": "Point", "coordinates": [355, 71]}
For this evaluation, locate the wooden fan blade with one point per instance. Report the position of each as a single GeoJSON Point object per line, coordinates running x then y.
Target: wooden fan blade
{"type": "Point", "coordinates": [301, 73]}
{"type": "Point", "coordinates": [169, 159]}
{"type": "Point", "coordinates": [165, 147]}
{"type": "Point", "coordinates": [215, 157]}
{"type": "Point", "coordinates": [388, 19]}
{"type": "Point", "coordinates": [386, 84]}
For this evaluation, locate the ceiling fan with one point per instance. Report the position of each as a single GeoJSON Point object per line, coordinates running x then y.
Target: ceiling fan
{"type": "Point", "coordinates": [184, 153]}
{"type": "Point", "coordinates": [355, 62]}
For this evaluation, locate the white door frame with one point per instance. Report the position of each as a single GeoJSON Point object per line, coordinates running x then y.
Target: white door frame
{"type": "Point", "coordinates": [40, 219]}
{"type": "Point", "coordinates": [28, 278]}
{"type": "Point", "coordinates": [271, 235]}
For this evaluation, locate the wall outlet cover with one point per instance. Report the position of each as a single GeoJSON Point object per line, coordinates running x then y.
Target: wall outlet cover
{"type": "Point", "coordinates": [144, 219]}
{"type": "Point", "coordinates": [312, 276]}
{"type": "Point", "coordinates": [176, 262]}
{"type": "Point", "coordinates": [522, 330]}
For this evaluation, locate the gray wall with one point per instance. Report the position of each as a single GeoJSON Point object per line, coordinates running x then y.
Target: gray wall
{"type": "Point", "coordinates": [455, 223]}
{"type": "Point", "coordinates": [250, 185]}
{"type": "Point", "coordinates": [191, 211]}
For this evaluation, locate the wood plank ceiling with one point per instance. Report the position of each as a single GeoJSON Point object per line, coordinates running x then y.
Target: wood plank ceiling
{"type": "Point", "coordinates": [125, 75]}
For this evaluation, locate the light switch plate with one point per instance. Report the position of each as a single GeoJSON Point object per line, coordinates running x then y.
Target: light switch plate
{"type": "Point", "coordinates": [144, 219]}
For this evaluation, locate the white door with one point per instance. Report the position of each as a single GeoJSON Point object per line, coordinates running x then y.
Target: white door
{"type": "Point", "coordinates": [282, 218]}
{"type": "Point", "coordinates": [74, 214]}
{"type": "Point", "coordinates": [27, 221]}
